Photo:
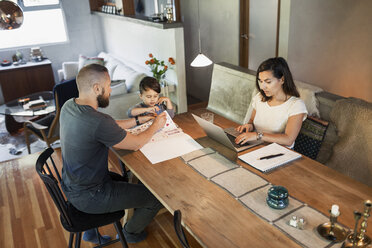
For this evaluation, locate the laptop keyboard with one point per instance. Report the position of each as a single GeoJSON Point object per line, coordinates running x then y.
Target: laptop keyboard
{"type": "Point", "coordinates": [232, 139]}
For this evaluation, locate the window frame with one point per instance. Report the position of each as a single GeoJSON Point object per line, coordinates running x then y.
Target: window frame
{"type": "Point", "coordinates": [38, 8]}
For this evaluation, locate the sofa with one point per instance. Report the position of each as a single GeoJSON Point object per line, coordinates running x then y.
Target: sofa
{"type": "Point", "coordinates": [125, 76]}
{"type": "Point", "coordinates": [345, 144]}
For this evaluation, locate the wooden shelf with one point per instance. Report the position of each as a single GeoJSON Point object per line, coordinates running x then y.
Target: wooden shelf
{"type": "Point", "coordinates": [129, 10]}
{"type": "Point", "coordinates": [128, 6]}
{"type": "Point", "coordinates": [140, 20]}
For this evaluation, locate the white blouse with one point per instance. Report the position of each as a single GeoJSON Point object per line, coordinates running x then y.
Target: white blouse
{"type": "Point", "coordinates": [273, 119]}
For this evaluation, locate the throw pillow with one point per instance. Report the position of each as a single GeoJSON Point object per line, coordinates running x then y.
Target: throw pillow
{"type": "Point", "coordinates": [118, 87]}
{"type": "Point", "coordinates": [134, 80]}
{"type": "Point", "coordinates": [122, 71]}
{"type": "Point", "coordinates": [111, 65]}
{"type": "Point", "coordinates": [70, 70]}
{"type": "Point", "coordinates": [84, 60]}
{"type": "Point", "coordinates": [311, 136]}
{"type": "Point", "coordinates": [307, 94]}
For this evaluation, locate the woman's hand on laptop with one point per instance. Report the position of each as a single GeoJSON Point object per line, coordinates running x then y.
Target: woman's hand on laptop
{"type": "Point", "coordinates": [246, 127]}
{"type": "Point", "coordinates": [245, 137]}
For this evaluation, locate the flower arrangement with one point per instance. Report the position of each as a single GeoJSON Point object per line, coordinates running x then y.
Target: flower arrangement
{"type": "Point", "coordinates": [158, 67]}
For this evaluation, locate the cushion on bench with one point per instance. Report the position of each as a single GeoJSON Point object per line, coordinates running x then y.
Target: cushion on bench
{"type": "Point", "coordinates": [311, 136]}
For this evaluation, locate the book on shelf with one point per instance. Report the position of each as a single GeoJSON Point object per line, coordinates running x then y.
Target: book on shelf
{"type": "Point", "coordinates": [269, 157]}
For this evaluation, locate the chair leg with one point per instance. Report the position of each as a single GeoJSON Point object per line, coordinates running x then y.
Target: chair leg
{"type": "Point", "coordinates": [99, 237]}
{"type": "Point", "coordinates": [78, 240]}
{"type": "Point", "coordinates": [71, 240]}
{"type": "Point", "coordinates": [27, 141]}
{"type": "Point", "coordinates": [119, 230]}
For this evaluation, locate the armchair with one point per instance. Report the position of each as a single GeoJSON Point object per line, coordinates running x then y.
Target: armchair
{"type": "Point", "coordinates": [47, 128]}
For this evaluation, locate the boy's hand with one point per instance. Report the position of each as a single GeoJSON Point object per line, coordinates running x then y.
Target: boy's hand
{"type": "Point", "coordinates": [167, 101]}
{"type": "Point", "coordinates": [153, 109]}
{"type": "Point", "coordinates": [159, 121]}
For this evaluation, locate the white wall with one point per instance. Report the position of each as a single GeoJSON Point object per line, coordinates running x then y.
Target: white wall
{"type": "Point", "coordinates": [327, 42]}
{"type": "Point", "coordinates": [330, 45]}
{"type": "Point", "coordinates": [219, 24]}
{"type": "Point", "coordinates": [134, 41]}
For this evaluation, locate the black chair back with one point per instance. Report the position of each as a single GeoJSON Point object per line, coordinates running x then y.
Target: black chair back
{"type": "Point", "coordinates": [65, 90]}
{"type": "Point", "coordinates": [44, 170]}
{"type": "Point", "coordinates": [179, 230]}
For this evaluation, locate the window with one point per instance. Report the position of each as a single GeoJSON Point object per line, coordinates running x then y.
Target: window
{"type": "Point", "coordinates": [43, 23]}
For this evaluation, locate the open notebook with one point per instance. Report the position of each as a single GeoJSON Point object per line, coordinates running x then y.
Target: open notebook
{"type": "Point", "coordinates": [269, 157]}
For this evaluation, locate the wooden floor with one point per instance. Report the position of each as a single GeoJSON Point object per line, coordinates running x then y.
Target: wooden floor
{"type": "Point", "coordinates": [28, 217]}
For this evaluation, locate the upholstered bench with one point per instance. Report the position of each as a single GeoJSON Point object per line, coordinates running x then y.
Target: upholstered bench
{"type": "Point", "coordinates": [342, 129]}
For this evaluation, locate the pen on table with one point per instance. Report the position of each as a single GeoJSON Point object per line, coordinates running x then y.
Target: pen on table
{"type": "Point", "coordinates": [271, 156]}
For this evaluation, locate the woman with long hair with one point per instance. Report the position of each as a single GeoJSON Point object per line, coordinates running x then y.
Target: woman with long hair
{"type": "Point", "coordinates": [278, 112]}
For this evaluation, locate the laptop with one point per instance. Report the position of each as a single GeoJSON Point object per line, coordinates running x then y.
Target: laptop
{"type": "Point", "coordinates": [224, 136]}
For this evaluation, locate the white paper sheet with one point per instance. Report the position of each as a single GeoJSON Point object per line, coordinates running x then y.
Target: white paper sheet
{"type": "Point", "coordinates": [174, 146]}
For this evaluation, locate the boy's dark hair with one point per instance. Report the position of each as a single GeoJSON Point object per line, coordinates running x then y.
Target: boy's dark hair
{"type": "Point", "coordinates": [279, 67]}
{"type": "Point", "coordinates": [149, 83]}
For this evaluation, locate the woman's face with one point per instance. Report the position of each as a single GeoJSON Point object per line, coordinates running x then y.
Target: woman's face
{"type": "Point", "coordinates": [270, 84]}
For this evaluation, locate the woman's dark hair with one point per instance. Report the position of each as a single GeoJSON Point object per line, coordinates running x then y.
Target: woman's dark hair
{"type": "Point", "coordinates": [279, 67]}
{"type": "Point", "coordinates": [149, 83]}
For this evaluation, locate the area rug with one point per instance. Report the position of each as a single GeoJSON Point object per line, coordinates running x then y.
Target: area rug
{"type": "Point", "coordinates": [14, 146]}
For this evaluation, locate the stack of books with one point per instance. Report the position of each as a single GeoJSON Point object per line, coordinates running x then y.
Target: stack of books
{"type": "Point", "coordinates": [35, 105]}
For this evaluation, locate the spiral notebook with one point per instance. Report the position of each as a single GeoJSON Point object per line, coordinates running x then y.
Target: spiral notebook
{"type": "Point", "coordinates": [269, 157]}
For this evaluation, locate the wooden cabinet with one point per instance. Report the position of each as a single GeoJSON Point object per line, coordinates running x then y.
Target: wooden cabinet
{"type": "Point", "coordinates": [18, 81]}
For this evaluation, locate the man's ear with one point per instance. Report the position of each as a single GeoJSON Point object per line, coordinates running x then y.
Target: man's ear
{"type": "Point", "coordinates": [97, 89]}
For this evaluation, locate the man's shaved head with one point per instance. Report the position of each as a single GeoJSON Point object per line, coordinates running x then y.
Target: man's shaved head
{"type": "Point", "coordinates": [89, 75]}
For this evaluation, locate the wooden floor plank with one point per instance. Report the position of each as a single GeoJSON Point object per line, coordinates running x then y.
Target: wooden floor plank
{"type": "Point", "coordinates": [29, 218]}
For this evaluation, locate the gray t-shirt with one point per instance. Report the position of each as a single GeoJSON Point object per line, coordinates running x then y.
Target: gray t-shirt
{"type": "Point", "coordinates": [86, 136]}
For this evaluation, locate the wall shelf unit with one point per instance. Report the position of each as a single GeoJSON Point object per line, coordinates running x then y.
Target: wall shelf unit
{"type": "Point", "coordinates": [128, 9]}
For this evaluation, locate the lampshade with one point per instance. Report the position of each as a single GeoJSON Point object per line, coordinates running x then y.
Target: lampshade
{"type": "Point", "coordinates": [201, 60]}
{"type": "Point", "coordinates": [11, 15]}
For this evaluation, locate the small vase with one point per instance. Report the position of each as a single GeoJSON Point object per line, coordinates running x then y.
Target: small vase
{"type": "Point", "coordinates": [164, 86]}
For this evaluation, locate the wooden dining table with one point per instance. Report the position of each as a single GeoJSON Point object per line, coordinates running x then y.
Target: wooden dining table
{"type": "Point", "coordinates": [215, 218]}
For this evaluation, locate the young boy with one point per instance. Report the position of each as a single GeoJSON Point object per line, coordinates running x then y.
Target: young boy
{"type": "Point", "coordinates": [151, 103]}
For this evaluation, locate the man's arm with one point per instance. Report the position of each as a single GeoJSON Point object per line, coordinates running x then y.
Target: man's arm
{"type": "Point", "coordinates": [129, 123]}
{"type": "Point", "coordinates": [139, 111]}
{"type": "Point", "coordinates": [135, 142]}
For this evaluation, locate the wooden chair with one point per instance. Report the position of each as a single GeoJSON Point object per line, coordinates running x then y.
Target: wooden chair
{"type": "Point", "coordinates": [179, 230]}
{"type": "Point", "coordinates": [47, 128]}
{"type": "Point", "coordinates": [72, 219]}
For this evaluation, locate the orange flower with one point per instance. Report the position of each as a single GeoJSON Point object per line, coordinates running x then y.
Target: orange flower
{"type": "Point", "coordinates": [158, 67]}
{"type": "Point", "coordinates": [171, 60]}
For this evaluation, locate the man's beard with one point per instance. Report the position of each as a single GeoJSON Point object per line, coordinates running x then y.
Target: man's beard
{"type": "Point", "coordinates": [102, 101]}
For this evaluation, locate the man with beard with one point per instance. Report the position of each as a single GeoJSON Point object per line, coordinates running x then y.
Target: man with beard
{"type": "Point", "coordinates": [86, 136]}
